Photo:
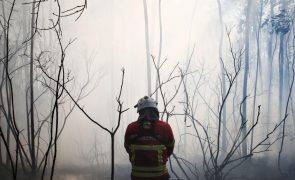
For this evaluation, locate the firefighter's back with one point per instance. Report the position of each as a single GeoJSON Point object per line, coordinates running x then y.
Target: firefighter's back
{"type": "Point", "coordinates": [150, 143]}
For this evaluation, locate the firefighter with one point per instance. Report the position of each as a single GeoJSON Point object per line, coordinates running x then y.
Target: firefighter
{"type": "Point", "coordinates": [149, 142]}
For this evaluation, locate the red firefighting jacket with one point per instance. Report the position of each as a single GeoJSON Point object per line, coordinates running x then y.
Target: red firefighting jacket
{"type": "Point", "coordinates": [149, 144]}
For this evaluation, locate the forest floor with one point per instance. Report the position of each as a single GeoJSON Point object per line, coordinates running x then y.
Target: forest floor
{"type": "Point", "coordinates": [259, 169]}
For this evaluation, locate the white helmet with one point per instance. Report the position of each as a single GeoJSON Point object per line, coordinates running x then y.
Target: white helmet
{"type": "Point", "coordinates": [146, 102]}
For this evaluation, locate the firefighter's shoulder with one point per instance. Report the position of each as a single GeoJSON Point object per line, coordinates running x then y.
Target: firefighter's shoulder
{"type": "Point", "coordinates": [133, 125]}
{"type": "Point", "coordinates": [162, 123]}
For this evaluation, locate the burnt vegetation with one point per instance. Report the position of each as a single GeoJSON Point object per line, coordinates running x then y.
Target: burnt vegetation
{"type": "Point", "coordinates": [240, 126]}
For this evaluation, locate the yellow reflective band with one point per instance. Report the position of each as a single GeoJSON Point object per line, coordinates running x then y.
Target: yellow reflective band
{"type": "Point", "coordinates": [147, 147]}
{"type": "Point", "coordinates": [158, 148]}
{"type": "Point", "coordinates": [160, 157]}
{"type": "Point", "coordinates": [148, 175]}
{"type": "Point", "coordinates": [149, 169]}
